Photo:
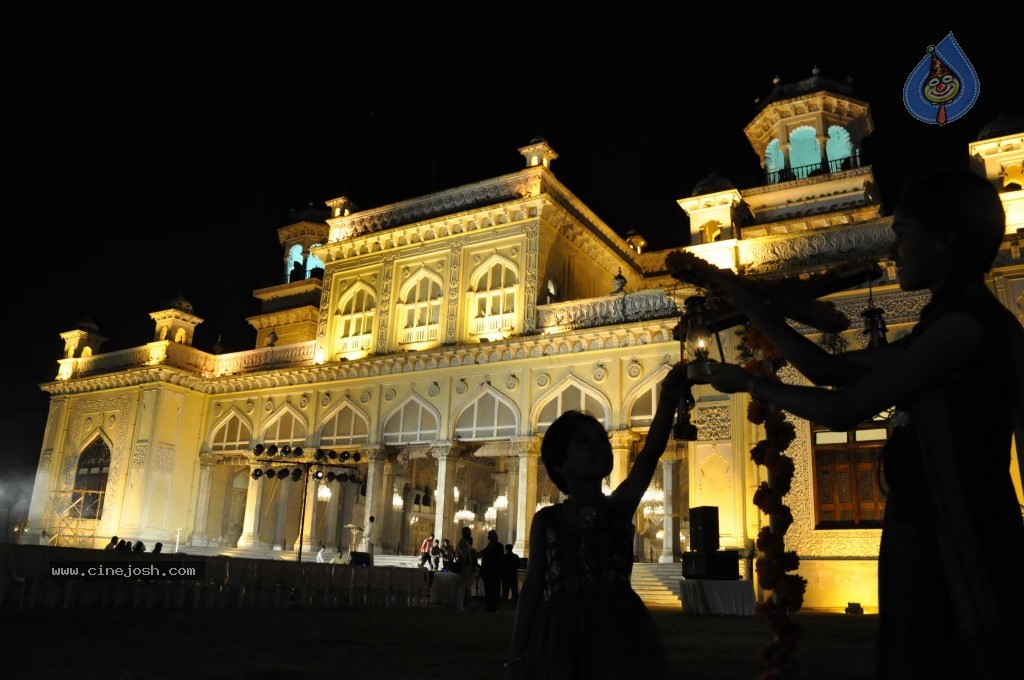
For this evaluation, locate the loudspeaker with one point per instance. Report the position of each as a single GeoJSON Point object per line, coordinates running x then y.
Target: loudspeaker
{"type": "Point", "coordinates": [704, 528]}
{"type": "Point", "coordinates": [722, 565]}
{"type": "Point", "coordinates": [359, 559]}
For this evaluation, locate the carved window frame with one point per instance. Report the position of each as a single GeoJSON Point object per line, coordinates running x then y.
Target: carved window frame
{"type": "Point", "coordinates": [848, 468]}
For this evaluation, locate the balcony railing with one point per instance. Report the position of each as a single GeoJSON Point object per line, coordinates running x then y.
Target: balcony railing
{"type": "Point", "coordinates": [419, 334]}
{"type": "Point", "coordinates": [354, 343]}
{"type": "Point", "coordinates": [605, 311]}
{"type": "Point", "coordinates": [805, 171]}
{"type": "Point", "coordinates": [493, 324]}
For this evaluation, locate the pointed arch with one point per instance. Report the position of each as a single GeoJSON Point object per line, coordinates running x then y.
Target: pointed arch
{"type": "Point", "coordinates": [641, 402]}
{"type": "Point", "coordinates": [354, 318]}
{"type": "Point", "coordinates": [570, 394]}
{"type": "Point", "coordinates": [804, 150]}
{"type": "Point", "coordinates": [411, 421]}
{"type": "Point", "coordinates": [494, 287]}
{"type": "Point", "coordinates": [487, 414]}
{"type": "Point", "coordinates": [344, 425]}
{"type": "Point", "coordinates": [91, 474]}
{"type": "Point", "coordinates": [232, 432]}
{"type": "Point", "coordinates": [286, 426]}
{"type": "Point", "coordinates": [419, 307]}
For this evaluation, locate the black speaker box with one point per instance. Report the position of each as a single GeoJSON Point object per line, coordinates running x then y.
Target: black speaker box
{"type": "Point", "coordinates": [360, 559]}
{"type": "Point", "coordinates": [721, 565]}
{"type": "Point", "coordinates": [704, 528]}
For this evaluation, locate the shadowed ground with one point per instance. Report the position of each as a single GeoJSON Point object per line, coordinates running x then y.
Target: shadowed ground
{"type": "Point", "coordinates": [365, 644]}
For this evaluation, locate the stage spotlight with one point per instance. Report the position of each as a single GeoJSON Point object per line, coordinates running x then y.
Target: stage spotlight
{"type": "Point", "coordinates": [297, 452]}
{"type": "Point", "coordinates": [286, 451]}
{"type": "Point", "coordinates": [296, 474]}
{"type": "Point", "coordinates": [331, 476]}
{"type": "Point", "coordinates": [356, 456]}
{"type": "Point", "coordinates": [258, 451]}
{"type": "Point", "coordinates": [272, 450]}
{"type": "Point", "coordinates": [270, 475]}
{"type": "Point", "coordinates": [344, 455]}
{"type": "Point", "coordinates": [318, 475]}
{"type": "Point", "coordinates": [343, 477]}
{"type": "Point", "coordinates": [283, 472]}
{"type": "Point", "coordinates": [257, 473]}
{"type": "Point", "coordinates": [331, 454]}
{"type": "Point", "coordinates": [319, 455]}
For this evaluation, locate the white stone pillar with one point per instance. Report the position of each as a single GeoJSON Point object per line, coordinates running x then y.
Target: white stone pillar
{"type": "Point", "coordinates": [670, 542]}
{"type": "Point", "coordinates": [386, 518]}
{"type": "Point", "coordinates": [374, 490]}
{"type": "Point", "coordinates": [526, 494]}
{"type": "Point", "coordinates": [251, 523]}
{"type": "Point", "coordinates": [622, 443]}
{"type": "Point", "coordinates": [398, 484]}
{"type": "Point", "coordinates": [309, 542]}
{"type": "Point", "coordinates": [199, 537]}
{"type": "Point", "coordinates": [444, 498]}
{"type": "Point", "coordinates": [281, 524]}
{"type": "Point", "coordinates": [503, 525]}
{"type": "Point", "coordinates": [329, 535]}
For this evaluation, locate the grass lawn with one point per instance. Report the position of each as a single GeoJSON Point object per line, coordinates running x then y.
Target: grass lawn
{"type": "Point", "coordinates": [365, 644]}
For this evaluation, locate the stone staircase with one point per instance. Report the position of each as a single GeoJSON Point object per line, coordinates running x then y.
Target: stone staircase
{"type": "Point", "coordinates": [658, 584]}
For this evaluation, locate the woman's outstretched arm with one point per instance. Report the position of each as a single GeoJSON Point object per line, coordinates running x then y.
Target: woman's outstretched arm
{"type": "Point", "coordinates": [945, 347]}
{"type": "Point", "coordinates": [632, 488]}
{"type": "Point", "coordinates": [812, 361]}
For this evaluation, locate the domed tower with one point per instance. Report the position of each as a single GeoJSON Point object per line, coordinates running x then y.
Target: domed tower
{"type": "Point", "coordinates": [290, 310]}
{"type": "Point", "coordinates": [998, 156]}
{"type": "Point", "coordinates": [807, 136]}
{"type": "Point", "coordinates": [714, 208]}
{"type": "Point", "coordinates": [177, 323]}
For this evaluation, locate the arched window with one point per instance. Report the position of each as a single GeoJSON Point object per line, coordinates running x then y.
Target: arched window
{"type": "Point", "coordinates": [232, 435]}
{"type": "Point", "coordinates": [571, 398]}
{"type": "Point", "coordinates": [493, 305]}
{"type": "Point", "coordinates": [420, 308]}
{"type": "Point", "coordinates": [91, 480]}
{"type": "Point", "coordinates": [314, 265]}
{"type": "Point", "coordinates": [287, 429]}
{"type": "Point", "coordinates": [487, 417]}
{"type": "Point", "coordinates": [804, 152]}
{"type": "Point", "coordinates": [411, 423]}
{"type": "Point", "coordinates": [354, 319]}
{"type": "Point", "coordinates": [774, 161]}
{"type": "Point", "coordinates": [838, 147]}
{"type": "Point", "coordinates": [645, 406]}
{"type": "Point", "coordinates": [348, 426]}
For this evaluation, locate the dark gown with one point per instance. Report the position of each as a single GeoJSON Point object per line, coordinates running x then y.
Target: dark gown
{"type": "Point", "coordinates": [591, 624]}
{"type": "Point", "coordinates": [918, 636]}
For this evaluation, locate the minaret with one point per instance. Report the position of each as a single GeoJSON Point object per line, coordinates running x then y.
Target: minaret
{"type": "Point", "coordinates": [177, 323]}
{"type": "Point", "coordinates": [538, 152]}
{"type": "Point", "coordinates": [998, 156]}
{"type": "Point", "coordinates": [811, 127]}
{"type": "Point", "coordinates": [83, 341]}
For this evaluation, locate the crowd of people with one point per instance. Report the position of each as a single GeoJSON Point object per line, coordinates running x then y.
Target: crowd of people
{"type": "Point", "coordinates": [496, 565]}
{"type": "Point", "coordinates": [121, 545]}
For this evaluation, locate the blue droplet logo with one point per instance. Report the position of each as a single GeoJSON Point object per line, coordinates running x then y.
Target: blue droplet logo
{"type": "Point", "coordinates": [943, 86]}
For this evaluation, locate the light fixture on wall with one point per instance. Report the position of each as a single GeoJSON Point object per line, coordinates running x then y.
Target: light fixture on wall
{"type": "Point", "coordinates": [397, 502]}
{"type": "Point", "coordinates": [501, 502]}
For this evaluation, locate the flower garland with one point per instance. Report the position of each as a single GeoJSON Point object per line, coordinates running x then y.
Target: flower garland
{"type": "Point", "coordinates": [774, 562]}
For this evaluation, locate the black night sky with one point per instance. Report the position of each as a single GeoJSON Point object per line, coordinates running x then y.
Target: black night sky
{"type": "Point", "coordinates": [157, 154]}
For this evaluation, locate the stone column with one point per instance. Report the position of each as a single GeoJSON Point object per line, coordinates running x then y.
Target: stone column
{"type": "Point", "coordinates": [199, 537]}
{"type": "Point", "coordinates": [446, 453]}
{"type": "Point", "coordinates": [822, 142]}
{"type": "Point", "coordinates": [622, 443]}
{"type": "Point", "coordinates": [386, 518]}
{"type": "Point", "coordinates": [309, 543]}
{"type": "Point", "coordinates": [253, 501]}
{"type": "Point", "coordinates": [374, 489]}
{"type": "Point", "coordinates": [786, 164]}
{"type": "Point", "coordinates": [398, 484]}
{"type": "Point", "coordinates": [502, 525]}
{"type": "Point", "coordinates": [329, 534]}
{"type": "Point", "coordinates": [526, 495]}
{"type": "Point", "coordinates": [281, 523]}
{"type": "Point", "coordinates": [670, 542]}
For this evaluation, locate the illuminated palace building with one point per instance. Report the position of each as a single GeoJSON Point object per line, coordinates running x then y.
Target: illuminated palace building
{"type": "Point", "coordinates": [417, 352]}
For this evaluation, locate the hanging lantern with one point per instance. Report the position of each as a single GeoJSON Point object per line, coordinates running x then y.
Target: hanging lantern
{"type": "Point", "coordinates": [874, 323]}
{"type": "Point", "coordinates": [697, 342]}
